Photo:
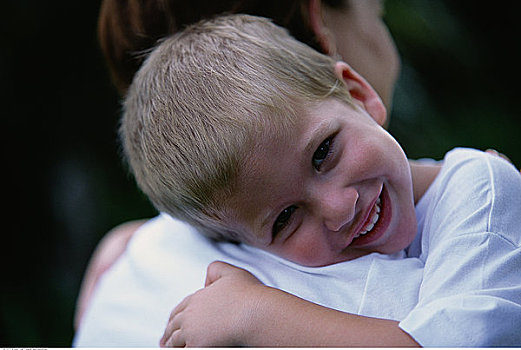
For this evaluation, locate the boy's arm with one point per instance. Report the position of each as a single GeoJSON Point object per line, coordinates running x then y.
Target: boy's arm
{"type": "Point", "coordinates": [236, 309]}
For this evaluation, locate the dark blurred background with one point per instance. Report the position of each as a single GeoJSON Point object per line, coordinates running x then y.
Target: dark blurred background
{"type": "Point", "coordinates": [65, 183]}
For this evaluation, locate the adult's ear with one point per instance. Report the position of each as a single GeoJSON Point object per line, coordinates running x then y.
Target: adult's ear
{"type": "Point", "coordinates": [362, 92]}
{"type": "Point", "coordinates": [325, 38]}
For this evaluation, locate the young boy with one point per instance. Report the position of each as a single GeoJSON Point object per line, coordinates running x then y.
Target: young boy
{"type": "Point", "coordinates": [251, 136]}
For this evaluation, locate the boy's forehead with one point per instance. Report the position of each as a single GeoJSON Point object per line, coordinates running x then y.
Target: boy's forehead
{"type": "Point", "coordinates": [282, 149]}
{"type": "Point", "coordinates": [294, 122]}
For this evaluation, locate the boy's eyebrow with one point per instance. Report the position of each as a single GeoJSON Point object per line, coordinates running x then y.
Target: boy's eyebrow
{"type": "Point", "coordinates": [265, 223]}
{"type": "Point", "coordinates": [318, 134]}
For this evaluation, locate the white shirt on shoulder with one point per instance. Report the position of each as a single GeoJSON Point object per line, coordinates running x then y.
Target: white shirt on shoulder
{"type": "Point", "coordinates": [166, 261]}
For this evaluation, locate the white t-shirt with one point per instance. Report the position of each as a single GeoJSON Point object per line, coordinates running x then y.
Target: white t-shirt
{"type": "Point", "coordinates": [166, 260]}
{"type": "Point", "coordinates": [469, 224]}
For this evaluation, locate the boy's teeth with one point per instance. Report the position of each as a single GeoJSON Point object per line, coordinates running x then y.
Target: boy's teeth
{"type": "Point", "coordinates": [373, 220]}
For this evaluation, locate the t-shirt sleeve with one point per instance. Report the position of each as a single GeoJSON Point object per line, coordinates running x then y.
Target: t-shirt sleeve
{"type": "Point", "coordinates": [471, 289]}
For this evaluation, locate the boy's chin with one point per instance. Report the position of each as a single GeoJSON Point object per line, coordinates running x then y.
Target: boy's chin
{"type": "Point", "coordinates": [407, 233]}
{"type": "Point", "coordinates": [402, 236]}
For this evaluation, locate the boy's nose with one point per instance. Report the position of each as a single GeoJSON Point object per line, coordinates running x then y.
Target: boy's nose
{"type": "Point", "coordinates": [338, 208]}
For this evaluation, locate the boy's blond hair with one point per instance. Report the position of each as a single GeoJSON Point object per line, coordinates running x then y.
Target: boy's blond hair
{"type": "Point", "coordinates": [200, 102]}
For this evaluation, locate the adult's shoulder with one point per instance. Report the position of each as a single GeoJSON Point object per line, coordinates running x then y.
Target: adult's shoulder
{"type": "Point", "coordinates": [164, 262]}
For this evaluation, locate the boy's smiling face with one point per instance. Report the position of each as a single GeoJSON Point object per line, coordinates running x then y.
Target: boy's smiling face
{"type": "Point", "coordinates": [337, 187]}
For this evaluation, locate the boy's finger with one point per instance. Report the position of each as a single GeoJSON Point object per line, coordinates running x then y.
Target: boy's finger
{"type": "Point", "coordinates": [180, 307]}
{"type": "Point", "coordinates": [167, 334]}
{"type": "Point", "coordinates": [217, 270]}
{"type": "Point", "coordinates": [174, 322]}
{"type": "Point", "coordinates": [176, 340]}
{"type": "Point", "coordinates": [162, 341]}
{"type": "Point", "coordinates": [172, 334]}
{"type": "Point", "coordinates": [164, 338]}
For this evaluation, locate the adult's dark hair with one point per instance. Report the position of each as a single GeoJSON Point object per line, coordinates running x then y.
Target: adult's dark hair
{"type": "Point", "coordinates": [128, 28]}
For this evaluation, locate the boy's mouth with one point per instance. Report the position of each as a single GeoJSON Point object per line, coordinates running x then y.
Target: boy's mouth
{"type": "Point", "coordinates": [371, 221]}
{"type": "Point", "coordinates": [376, 222]}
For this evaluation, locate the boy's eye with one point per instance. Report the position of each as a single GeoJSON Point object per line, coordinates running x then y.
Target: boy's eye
{"type": "Point", "coordinates": [321, 153]}
{"type": "Point", "coordinates": [283, 219]}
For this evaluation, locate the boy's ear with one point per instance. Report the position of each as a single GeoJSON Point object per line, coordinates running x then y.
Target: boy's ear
{"type": "Point", "coordinates": [362, 92]}
{"type": "Point", "coordinates": [324, 36]}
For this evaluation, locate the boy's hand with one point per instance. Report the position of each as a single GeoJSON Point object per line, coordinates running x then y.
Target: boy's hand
{"type": "Point", "coordinates": [236, 309]}
{"type": "Point", "coordinates": [218, 314]}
